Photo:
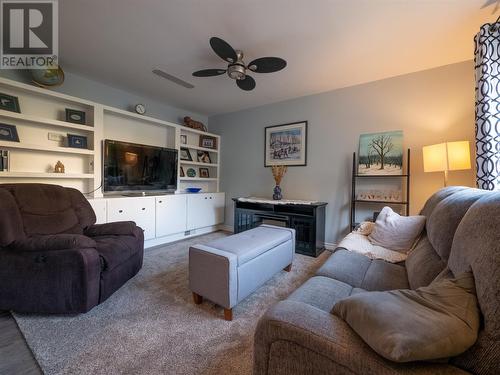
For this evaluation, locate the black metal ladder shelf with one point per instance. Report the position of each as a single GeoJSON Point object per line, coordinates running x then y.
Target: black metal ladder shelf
{"type": "Point", "coordinates": [354, 201]}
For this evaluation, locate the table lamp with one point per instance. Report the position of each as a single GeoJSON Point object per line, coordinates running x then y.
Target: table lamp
{"type": "Point", "coordinates": [444, 157]}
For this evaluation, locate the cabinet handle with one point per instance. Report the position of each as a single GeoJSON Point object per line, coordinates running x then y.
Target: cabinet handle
{"type": "Point", "coordinates": [120, 211]}
{"type": "Point", "coordinates": [144, 208]}
{"type": "Point", "coordinates": [160, 201]}
{"type": "Point", "coordinates": [206, 198]}
{"type": "Point", "coordinates": [210, 197]}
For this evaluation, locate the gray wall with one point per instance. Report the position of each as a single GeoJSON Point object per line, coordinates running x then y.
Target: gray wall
{"type": "Point", "coordinates": [430, 107]}
{"type": "Point", "coordinates": [85, 88]}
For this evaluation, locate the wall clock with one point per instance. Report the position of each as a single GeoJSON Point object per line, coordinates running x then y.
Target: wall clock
{"type": "Point", "coordinates": [140, 109]}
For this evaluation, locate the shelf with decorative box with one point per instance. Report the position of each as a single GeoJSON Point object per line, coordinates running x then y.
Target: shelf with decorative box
{"type": "Point", "coordinates": [36, 134]}
{"type": "Point", "coordinates": [199, 159]}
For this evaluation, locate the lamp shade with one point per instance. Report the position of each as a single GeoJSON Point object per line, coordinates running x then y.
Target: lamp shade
{"type": "Point", "coordinates": [458, 155]}
{"type": "Point", "coordinates": [435, 158]}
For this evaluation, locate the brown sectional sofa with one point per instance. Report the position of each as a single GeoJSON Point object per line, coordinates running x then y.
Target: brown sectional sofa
{"type": "Point", "coordinates": [301, 336]}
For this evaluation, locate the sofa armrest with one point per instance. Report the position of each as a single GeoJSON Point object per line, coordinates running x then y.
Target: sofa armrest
{"type": "Point", "coordinates": [118, 228]}
{"type": "Point", "coordinates": [53, 242]}
{"type": "Point", "coordinates": [296, 338]}
{"type": "Point", "coordinates": [57, 281]}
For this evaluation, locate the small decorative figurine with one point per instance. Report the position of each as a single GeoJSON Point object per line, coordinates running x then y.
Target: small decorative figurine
{"type": "Point", "coordinates": [59, 168]}
{"type": "Point", "coordinates": [190, 123]}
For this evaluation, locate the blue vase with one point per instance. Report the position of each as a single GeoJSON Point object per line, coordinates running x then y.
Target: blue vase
{"type": "Point", "coordinates": [277, 193]}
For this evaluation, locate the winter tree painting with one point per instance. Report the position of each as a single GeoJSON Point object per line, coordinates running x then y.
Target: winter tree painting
{"type": "Point", "coordinates": [381, 153]}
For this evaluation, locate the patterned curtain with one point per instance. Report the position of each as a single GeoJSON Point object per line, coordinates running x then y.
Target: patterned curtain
{"type": "Point", "coordinates": [487, 64]}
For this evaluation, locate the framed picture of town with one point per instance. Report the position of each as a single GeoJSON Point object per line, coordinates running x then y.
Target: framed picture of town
{"type": "Point", "coordinates": [286, 144]}
{"type": "Point", "coordinates": [381, 153]}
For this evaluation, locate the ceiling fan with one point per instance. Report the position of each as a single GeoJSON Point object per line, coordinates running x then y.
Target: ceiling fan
{"type": "Point", "coordinates": [491, 2]}
{"type": "Point", "coordinates": [237, 69]}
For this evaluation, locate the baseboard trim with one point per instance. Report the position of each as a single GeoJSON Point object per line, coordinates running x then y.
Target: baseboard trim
{"type": "Point", "coordinates": [330, 246]}
{"type": "Point", "coordinates": [226, 228]}
{"type": "Point", "coordinates": [155, 242]}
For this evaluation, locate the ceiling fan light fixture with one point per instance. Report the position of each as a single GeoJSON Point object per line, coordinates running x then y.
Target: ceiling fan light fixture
{"type": "Point", "coordinates": [237, 69]}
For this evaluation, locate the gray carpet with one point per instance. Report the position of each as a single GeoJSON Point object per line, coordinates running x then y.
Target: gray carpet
{"type": "Point", "coordinates": [151, 326]}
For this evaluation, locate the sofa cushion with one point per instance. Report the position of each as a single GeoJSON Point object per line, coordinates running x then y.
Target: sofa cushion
{"type": "Point", "coordinates": [437, 197]}
{"type": "Point", "coordinates": [252, 243]}
{"type": "Point", "coordinates": [434, 322]}
{"type": "Point", "coordinates": [476, 247]}
{"type": "Point", "coordinates": [83, 210]}
{"type": "Point", "coordinates": [322, 292]}
{"type": "Point", "coordinates": [444, 219]}
{"type": "Point", "coordinates": [385, 276]}
{"type": "Point", "coordinates": [423, 264]}
{"type": "Point", "coordinates": [45, 209]}
{"type": "Point", "coordinates": [362, 272]}
{"type": "Point", "coordinates": [115, 250]}
{"type": "Point", "coordinates": [395, 232]}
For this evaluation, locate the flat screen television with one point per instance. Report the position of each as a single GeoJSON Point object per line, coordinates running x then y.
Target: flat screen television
{"type": "Point", "coordinates": [130, 167]}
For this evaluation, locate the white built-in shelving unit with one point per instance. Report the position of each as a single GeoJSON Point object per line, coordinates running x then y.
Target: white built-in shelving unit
{"type": "Point", "coordinates": [43, 112]}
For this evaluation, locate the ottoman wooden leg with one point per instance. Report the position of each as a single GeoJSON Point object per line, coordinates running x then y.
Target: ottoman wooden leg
{"type": "Point", "coordinates": [228, 314]}
{"type": "Point", "coordinates": [288, 268]}
{"type": "Point", "coordinates": [197, 298]}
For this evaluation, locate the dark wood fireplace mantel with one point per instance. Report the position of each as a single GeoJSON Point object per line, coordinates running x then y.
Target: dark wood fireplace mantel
{"type": "Point", "coordinates": [308, 220]}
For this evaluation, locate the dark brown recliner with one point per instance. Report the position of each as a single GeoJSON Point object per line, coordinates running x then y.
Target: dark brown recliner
{"type": "Point", "coordinates": [53, 258]}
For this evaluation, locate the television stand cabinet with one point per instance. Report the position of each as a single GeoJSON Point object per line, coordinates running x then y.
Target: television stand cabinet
{"type": "Point", "coordinates": [308, 220]}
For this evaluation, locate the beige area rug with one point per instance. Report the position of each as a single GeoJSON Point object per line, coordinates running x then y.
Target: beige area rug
{"type": "Point", "coordinates": [151, 326]}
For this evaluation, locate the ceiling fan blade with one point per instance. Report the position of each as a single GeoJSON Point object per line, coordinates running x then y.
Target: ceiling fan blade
{"type": "Point", "coordinates": [209, 72]}
{"type": "Point", "coordinates": [267, 65]}
{"type": "Point", "coordinates": [246, 84]}
{"type": "Point", "coordinates": [223, 49]}
{"type": "Point", "coordinates": [489, 2]}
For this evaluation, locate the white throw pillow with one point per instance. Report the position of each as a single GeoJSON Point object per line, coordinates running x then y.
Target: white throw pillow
{"type": "Point", "coordinates": [396, 232]}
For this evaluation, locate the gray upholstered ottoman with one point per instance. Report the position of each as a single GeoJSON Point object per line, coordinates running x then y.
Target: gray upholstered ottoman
{"type": "Point", "coordinates": [227, 270]}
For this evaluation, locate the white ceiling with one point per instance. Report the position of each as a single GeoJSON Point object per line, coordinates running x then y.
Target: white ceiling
{"type": "Point", "coordinates": [328, 44]}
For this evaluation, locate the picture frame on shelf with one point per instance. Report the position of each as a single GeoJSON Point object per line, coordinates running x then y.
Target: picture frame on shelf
{"type": "Point", "coordinates": [191, 172]}
{"type": "Point", "coordinates": [9, 103]}
{"type": "Point", "coordinates": [4, 160]}
{"type": "Point", "coordinates": [186, 154]}
{"type": "Point", "coordinates": [207, 141]}
{"type": "Point", "coordinates": [381, 153]}
{"type": "Point", "coordinates": [182, 172]}
{"type": "Point", "coordinates": [75, 116]}
{"type": "Point", "coordinates": [77, 141]}
{"type": "Point", "coordinates": [204, 172]}
{"type": "Point", "coordinates": [286, 144]}
{"type": "Point", "coordinates": [184, 139]}
{"type": "Point", "coordinates": [8, 133]}
{"type": "Point", "coordinates": [204, 157]}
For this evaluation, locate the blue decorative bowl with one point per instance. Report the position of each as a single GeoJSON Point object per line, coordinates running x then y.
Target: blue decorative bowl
{"type": "Point", "coordinates": [193, 190]}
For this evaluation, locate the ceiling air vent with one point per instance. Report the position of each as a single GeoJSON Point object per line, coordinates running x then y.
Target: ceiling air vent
{"type": "Point", "coordinates": [173, 79]}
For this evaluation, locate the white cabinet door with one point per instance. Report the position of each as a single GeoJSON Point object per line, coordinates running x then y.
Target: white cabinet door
{"type": "Point", "coordinates": [197, 208]}
{"type": "Point", "coordinates": [219, 202]}
{"type": "Point", "coordinates": [170, 214]}
{"type": "Point", "coordinates": [141, 210]}
{"type": "Point", "coordinates": [99, 206]}
{"type": "Point", "coordinates": [205, 210]}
